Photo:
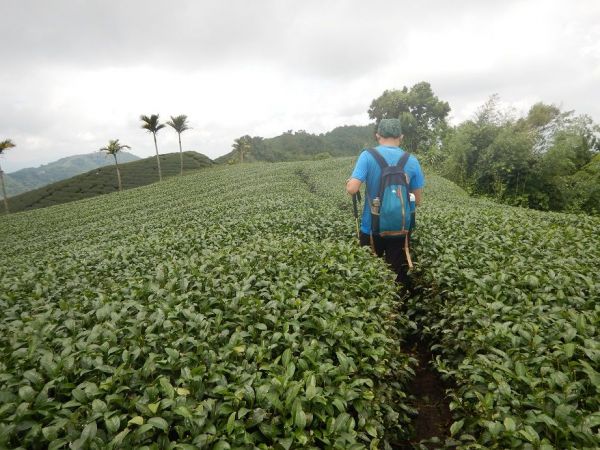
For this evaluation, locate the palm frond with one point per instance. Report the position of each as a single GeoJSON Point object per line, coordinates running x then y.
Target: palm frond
{"type": "Point", "coordinates": [151, 123]}
{"type": "Point", "coordinates": [5, 145]}
{"type": "Point", "coordinates": [114, 147]}
{"type": "Point", "coordinates": [179, 123]}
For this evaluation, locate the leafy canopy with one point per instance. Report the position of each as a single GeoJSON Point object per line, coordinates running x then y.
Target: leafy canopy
{"type": "Point", "coordinates": [421, 112]}
{"type": "Point", "coordinates": [114, 147]}
{"type": "Point", "coordinates": [179, 123]}
{"type": "Point", "coordinates": [5, 145]}
{"type": "Point", "coordinates": [151, 123]}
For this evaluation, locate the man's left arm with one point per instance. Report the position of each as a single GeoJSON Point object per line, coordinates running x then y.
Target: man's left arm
{"type": "Point", "coordinates": [359, 174]}
{"type": "Point", "coordinates": [417, 182]}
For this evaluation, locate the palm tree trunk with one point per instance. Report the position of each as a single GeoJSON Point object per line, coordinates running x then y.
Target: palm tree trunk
{"type": "Point", "coordinates": [118, 173]}
{"type": "Point", "coordinates": [180, 154]}
{"type": "Point", "coordinates": [241, 156]}
{"type": "Point", "coordinates": [4, 191]}
{"type": "Point", "coordinates": [157, 158]}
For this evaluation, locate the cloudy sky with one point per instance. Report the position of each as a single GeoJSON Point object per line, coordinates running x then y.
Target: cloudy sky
{"type": "Point", "coordinates": [76, 73]}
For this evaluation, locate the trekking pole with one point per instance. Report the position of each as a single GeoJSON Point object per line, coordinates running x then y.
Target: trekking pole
{"type": "Point", "coordinates": [355, 200]}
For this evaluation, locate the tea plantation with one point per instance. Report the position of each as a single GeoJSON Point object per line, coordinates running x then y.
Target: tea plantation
{"type": "Point", "coordinates": [226, 309]}
{"type": "Point", "coordinates": [232, 308]}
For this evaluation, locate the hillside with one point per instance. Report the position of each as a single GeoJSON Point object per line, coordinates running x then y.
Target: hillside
{"type": "Point", "coordinates": [300, 145]}
{"type": "Point", "coordinates": [103, 180]}
{"type": "Point", "coordinates": [195, 312]}
{"type": "Point", "coordinates": [34, 177]}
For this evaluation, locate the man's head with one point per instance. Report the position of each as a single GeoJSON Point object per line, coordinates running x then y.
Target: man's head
{"type": "Point", "coordinates": [389, 131]}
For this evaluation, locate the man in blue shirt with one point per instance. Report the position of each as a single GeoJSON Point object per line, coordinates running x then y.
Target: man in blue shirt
{"type": "Point", "coordinates": [389, 136]}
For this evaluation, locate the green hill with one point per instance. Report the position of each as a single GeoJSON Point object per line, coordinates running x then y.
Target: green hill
{"type": "Point", "coordinates": [103, 180]}
{"type": "Point", "coordinates": [300, 145]}
{"type": "Point", "coordinates": [205, 313]}
{"type": "Point", "coordinates": [34, 177]}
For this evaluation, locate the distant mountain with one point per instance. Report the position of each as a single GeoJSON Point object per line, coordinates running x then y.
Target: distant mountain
{"type": "Point", "coordinates": [103, 180]}
{"type": "Point", "coordinates": [291, 146]}
{"type": "Point", "coordinates": [34, 177]}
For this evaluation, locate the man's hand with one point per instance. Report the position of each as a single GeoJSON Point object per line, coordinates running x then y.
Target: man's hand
{"type": "Point", "coordinates": [353, 186]}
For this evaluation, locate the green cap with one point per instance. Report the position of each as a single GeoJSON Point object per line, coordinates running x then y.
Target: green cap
{"type": "Point", "coordinates": [389, 128]}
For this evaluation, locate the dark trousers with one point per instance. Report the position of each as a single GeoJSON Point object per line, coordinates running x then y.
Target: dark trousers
{"type": "Point", "coordinates": [392, 249]}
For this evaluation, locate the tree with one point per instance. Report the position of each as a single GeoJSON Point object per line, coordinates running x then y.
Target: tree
{"type": "Point", "coordinates": [421, 113]}
{"type": "Point", "coordinates": [113, 148]}
{"type": "Point", "coordinates": [152, 125]}
{"type": "Point", "coordinates": [5, 145]}
{"type": "Point", "coordinates": [541, 114]}
{"type": "Point", "coordinates": [242, 146]}
{"type": "Point", "coordinates": [179, 124]}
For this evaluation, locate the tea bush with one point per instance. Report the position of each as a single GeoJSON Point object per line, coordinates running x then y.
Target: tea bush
{"type": "Point", "coordinates": [225, 309]}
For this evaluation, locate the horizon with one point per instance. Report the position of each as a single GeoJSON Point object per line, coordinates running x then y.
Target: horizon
{"type": "Point", "coordinates": [79, 76]}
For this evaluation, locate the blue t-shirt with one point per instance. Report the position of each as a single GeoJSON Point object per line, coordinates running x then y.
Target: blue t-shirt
{"type": "Point", "coordinates": [368, 170]}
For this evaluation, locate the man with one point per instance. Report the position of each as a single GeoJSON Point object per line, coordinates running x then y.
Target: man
{"type": "Point", "coordinates": [389, 136]}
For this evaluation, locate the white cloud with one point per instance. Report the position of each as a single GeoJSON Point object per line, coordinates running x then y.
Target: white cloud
{"type": "Point", "coordinates": [81, 74]}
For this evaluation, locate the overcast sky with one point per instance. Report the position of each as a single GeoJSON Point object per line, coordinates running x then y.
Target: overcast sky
{"type": "Point", "coordinates": [76, 73]}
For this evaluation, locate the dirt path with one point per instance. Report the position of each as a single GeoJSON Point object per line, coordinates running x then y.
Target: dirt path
{"type": "Point", "coordinates": [428, 391]}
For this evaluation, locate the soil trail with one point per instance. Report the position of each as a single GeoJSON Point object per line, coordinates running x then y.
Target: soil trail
{"type": "Point", "coordinates": [428, 391]}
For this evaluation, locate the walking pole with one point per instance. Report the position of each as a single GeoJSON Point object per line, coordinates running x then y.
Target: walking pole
{"type": "Point", "coordinates": [355, 200]}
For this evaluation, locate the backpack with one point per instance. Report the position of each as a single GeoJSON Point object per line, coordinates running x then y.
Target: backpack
{"type": "Point", "coordinates": [392, 214]}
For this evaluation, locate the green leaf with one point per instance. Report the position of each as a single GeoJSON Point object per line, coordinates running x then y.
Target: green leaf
{"type": "Point", "coordinates": [286, 443]}
{"type": "Point", "coordinates": [79, 395]}
{"type": "Point", "coordinates": [569, 349]}
{"type": "Point", "coordinates": [231, 422]}
{"type": "Point", "coordinates": [99, 406]}
{"type": "Point", "coordinates": [221, 445]}
{"type": "Point", "coordinates": [299, 415]}
{"type": "Point", "coordinates": [167, 388]}
{"type": "Point", "coordinates": [112, 424]}
{"type": "Point", "coordinates": [57, 443]}
{"type": "Point", "coordinates": [456, 427]}
{"type": "Point", "coordinates": [26, 393]}
{"type": "Point", "coordinates": [371, 430]}
{"type": "Point", "coordinates": [158, 422]}
{"type": "Point", "coordinates": [509, 424]}
{"type": "Point", "coordinates": [182, 391]}
{"type": "Point", "coordinates": [153, 407]}
{"type": "Point", "coordinates": [119, 438]}
{"type": "Point", "coordinates": [183, 411]}
{"type": "Point", "coordinates": [89, 432]}
{"type": "Point", "coordinates": [50, 433]}
{"type": "Point", "coordinates": [137, 420]}
{"type": "Point", "coordinates": [530, 434]}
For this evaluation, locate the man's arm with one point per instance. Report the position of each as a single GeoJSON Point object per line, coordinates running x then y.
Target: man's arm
{"type": "Point", "coordinates": [353, 186]}
{"type": "Point", "coordinates": [418, 196]}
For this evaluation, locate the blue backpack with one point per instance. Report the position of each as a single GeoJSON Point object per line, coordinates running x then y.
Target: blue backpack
{"type": "Point", "coordinates": [391, 209]}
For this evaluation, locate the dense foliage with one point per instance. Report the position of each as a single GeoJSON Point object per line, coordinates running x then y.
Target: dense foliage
{"type": "Point", "coordinates": [200, 312]}
{"type": "Point", "coordinates": [206, 312]}
{"type": "Point", "coordinates": [510, 298]}
{"type": "Point", "coordinates": [541, 161]}
{"type": "Point", "coordinates": [300, 145]}
{"type": "Point", "coordinates": [103, 180]}
{"type": "Point", "coordinates": [421, 112]}
{"type": "Point", "coordinates": [34, 177]}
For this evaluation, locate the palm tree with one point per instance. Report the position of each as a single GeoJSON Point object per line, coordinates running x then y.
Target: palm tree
{"type": "Point", "coordinates": [152, 125]}
{"type": "Point", "coordinates": [179, 124]}
{"type": "Point", "coordinates": [242, 146]}
{"type": "Point", "coordinates": [5, 145]}
{"type": "Point", "coordinates": [113, 148]}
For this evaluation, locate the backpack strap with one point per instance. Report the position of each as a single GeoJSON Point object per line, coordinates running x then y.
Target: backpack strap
{"type": "Point", "coordinates": [380, 159]}
{"type": "Point", "coordinates": [403, 160]}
